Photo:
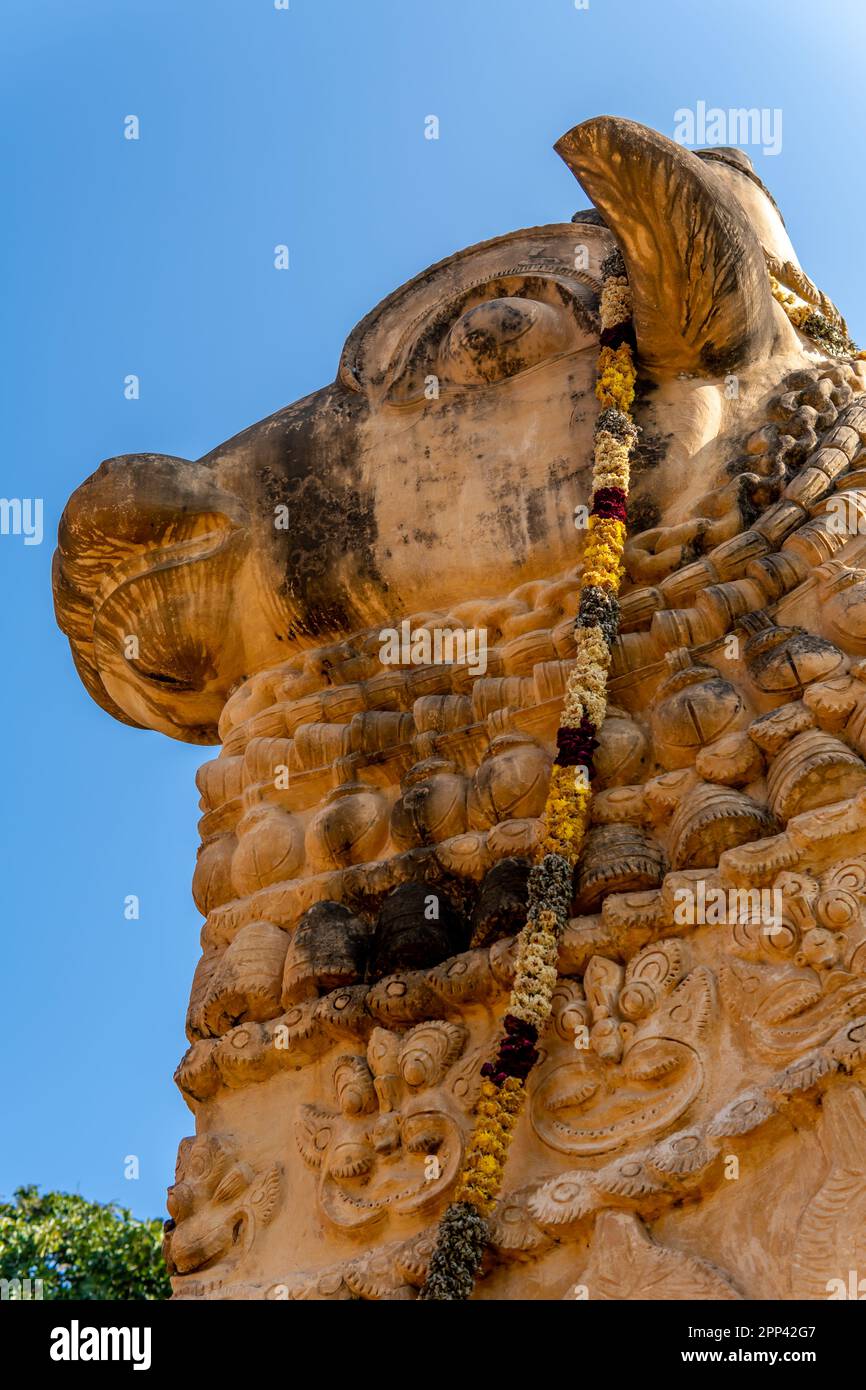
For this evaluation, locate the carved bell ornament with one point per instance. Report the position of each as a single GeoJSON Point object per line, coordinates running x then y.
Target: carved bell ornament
{"type": "Point", "coordinates": [845, 605]}
{"type": "Point", "coordinates": [694, 706]}
{"type": "Point", "coordinates": [785, 660]}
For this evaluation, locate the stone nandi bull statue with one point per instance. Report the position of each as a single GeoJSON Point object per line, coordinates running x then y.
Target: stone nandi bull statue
{"type": "Point", "coordinates": [696, 1117]}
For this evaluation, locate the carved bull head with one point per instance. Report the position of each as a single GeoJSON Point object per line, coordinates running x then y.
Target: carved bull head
{"type": "Point", "coordinates": [446, 459]}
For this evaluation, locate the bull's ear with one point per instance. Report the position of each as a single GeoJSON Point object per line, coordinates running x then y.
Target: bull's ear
{"type": "Point", "coordinates": [702, 301]}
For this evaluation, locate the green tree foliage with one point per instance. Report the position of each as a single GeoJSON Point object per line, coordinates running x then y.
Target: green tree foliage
{"type": "Point", "coordinates": [80, 1249]}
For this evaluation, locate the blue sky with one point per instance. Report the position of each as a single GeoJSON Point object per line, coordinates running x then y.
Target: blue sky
{"type": "Point", "coordinates": [155, 257]}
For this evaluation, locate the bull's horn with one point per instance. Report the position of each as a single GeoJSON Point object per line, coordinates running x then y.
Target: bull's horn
{"type": "Point", "coordinates": [702, 301]}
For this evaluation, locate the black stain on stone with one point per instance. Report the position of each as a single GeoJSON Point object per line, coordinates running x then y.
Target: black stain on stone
{"type": "Point", "coordinates": [310, 463]}
{"type": "Point", "coordinates": [643, 514]}
{"type": "Point", "coordinates": [648, 452]}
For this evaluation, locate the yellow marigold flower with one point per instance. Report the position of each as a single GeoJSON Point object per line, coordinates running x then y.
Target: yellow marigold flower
{"type": "Point", "coordinates": [571, 788]}
{"type": "Point", "coordinates": [479, 1200]}
{"type": "Point", "coordinates": [510, 1116]}
{"type": "Point", "coordinates": [610, 528]}
{"type": "Point", "coordinates": [616, 378]}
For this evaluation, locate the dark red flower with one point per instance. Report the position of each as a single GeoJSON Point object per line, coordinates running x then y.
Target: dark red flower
{"type": "Point", "coordinates": [610, 502]}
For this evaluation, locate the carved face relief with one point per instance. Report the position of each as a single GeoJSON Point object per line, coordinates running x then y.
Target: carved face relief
{"type": "Point", "coordinates": [638, 1066]}
{"type": "Point", "coordinates": [393, 1147]}
{"type": "Point", "coordinates": [215, 1205]}
{"type": "Point", "coordinates": [807, 975]}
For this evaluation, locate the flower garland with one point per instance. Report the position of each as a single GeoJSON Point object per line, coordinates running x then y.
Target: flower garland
{"type": "Point", "coordinates": [462, 1234]}
{"type": "Point", "coordinates": [833, 337]}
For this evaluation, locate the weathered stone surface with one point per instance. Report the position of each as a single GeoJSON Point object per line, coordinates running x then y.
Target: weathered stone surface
{"type": "Point", "coordinates": [695, 1127]}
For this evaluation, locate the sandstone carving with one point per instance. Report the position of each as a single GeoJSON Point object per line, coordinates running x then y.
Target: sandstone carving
{"type": "Point", "coordinates": [642, 1066]}
{"type": "Point", "coordinates": [394, 1144]}
{"type": "Point", "coordinates": [216, 1204]}
{"type": "Point", "coordinates": [368, 602]}
{"type": "Point", "coordinates": [625, 1263]}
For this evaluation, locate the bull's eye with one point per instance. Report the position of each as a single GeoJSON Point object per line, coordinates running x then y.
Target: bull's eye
{"type": "Point", "coordinates": [501, 337]}
{"type": "Point", "coordinates": [487, 333]}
